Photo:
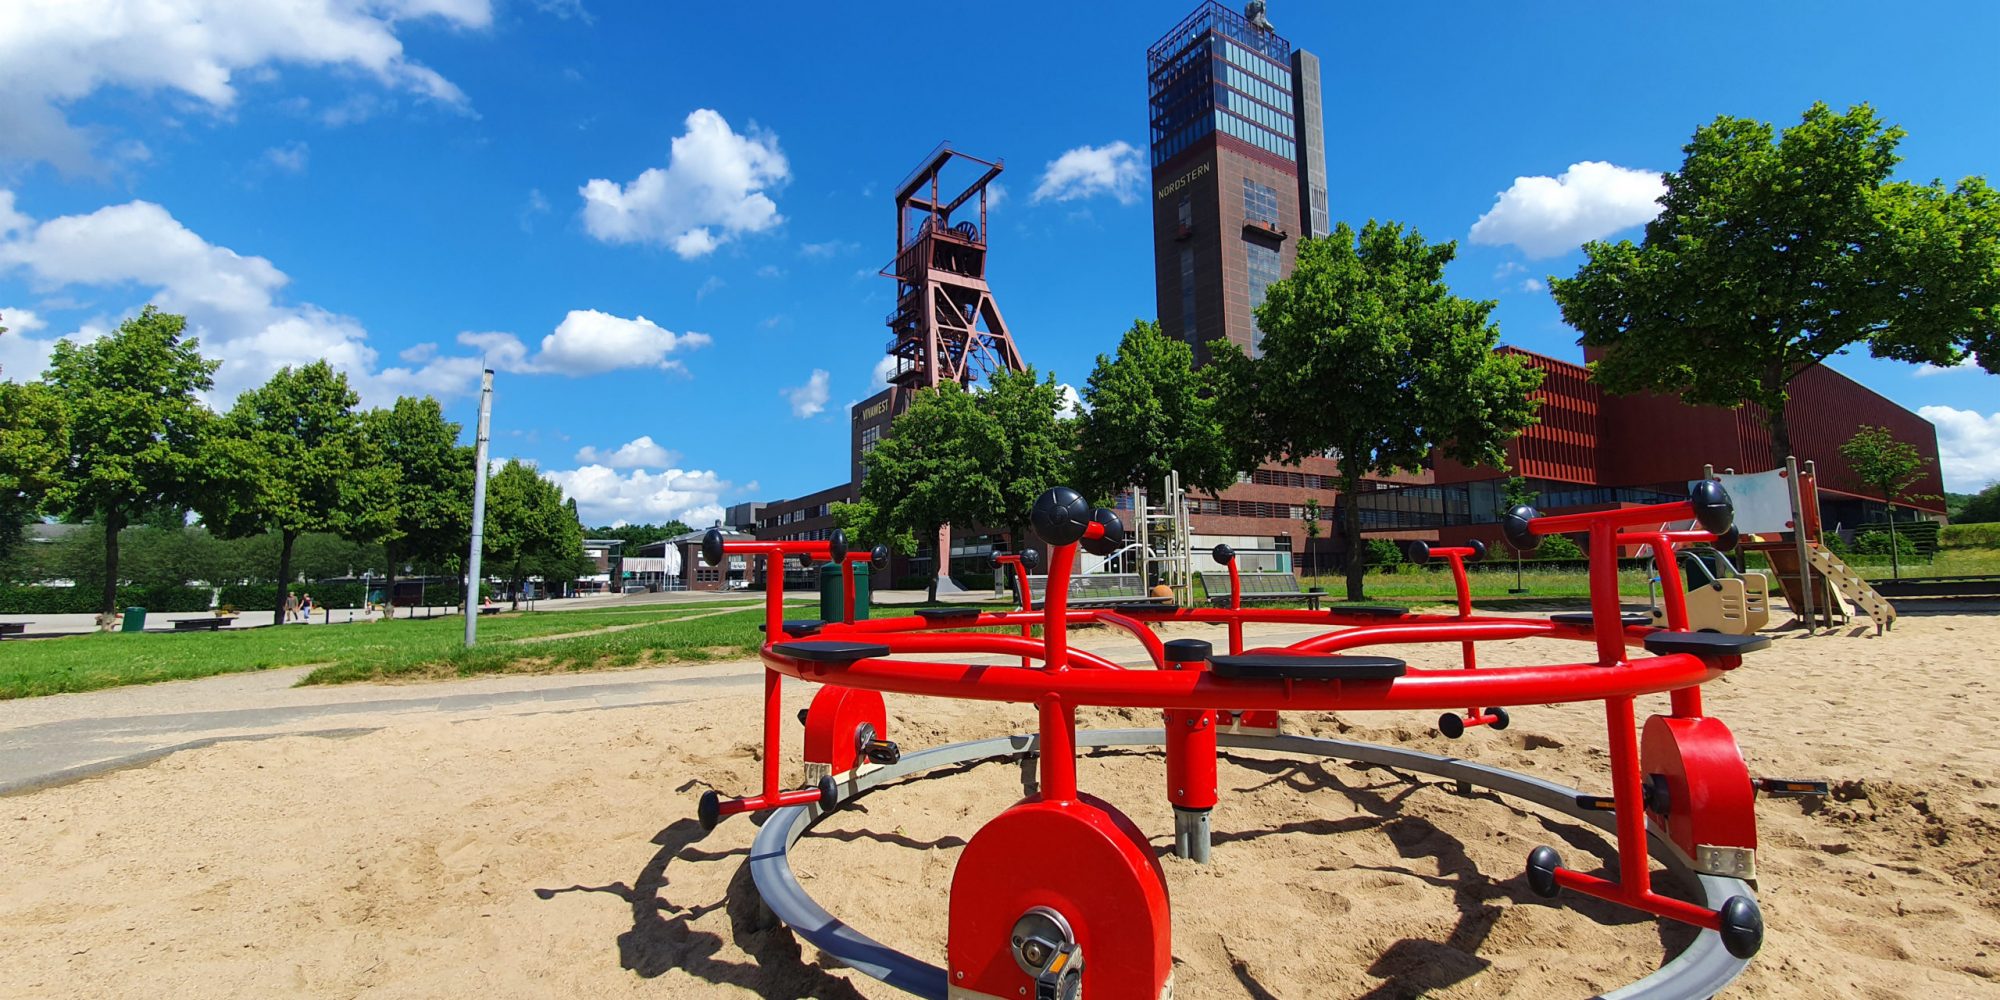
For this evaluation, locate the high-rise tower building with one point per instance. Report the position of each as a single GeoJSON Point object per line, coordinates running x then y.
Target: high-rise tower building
{"type": "Point", "coordinates": [1239, 177]}
{"type": "Point", "coordinates": [1239, 169]}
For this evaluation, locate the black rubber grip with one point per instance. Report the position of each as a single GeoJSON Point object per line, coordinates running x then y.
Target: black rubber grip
{"type": "Point", "coordinates": [711, 546]}
{"type": "Point", "coordinates": [1060, 516]}
{"type": "Point", "coordinates": [1713, 509]}
{"type": "Point", "coordinates": [1113, 538]}
{"type": "Point", "coordinates": [1223, 554]}
{"type": "Point", "coordinates": [1514, 525]}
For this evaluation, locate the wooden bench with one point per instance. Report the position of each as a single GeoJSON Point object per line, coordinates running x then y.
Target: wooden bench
{"type": "Point", "coordinates": [200, 624]}
{"type": "Point", "coordinates": [13, 628]}
{"type": "Point", "coordinates": [1259, 588]}
{"type": "Point", "coordinates": [490, 609]}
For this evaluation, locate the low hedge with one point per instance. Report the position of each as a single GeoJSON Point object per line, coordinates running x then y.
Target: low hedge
{"type": "Point", "coordinates": [1970, 536]}
{"type": "Point", "coordinates": [264, 596]}
{"type": "Point", "coordinates": [89, 600]}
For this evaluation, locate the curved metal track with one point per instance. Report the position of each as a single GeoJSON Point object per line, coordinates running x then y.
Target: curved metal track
{"type": "Point", "coordinates": [1699, 971]}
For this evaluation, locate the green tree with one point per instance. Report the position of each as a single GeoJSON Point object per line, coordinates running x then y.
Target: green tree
{"type": "Point", "coordinates": [292, 457]}
{"type": "Point", "coordinates": [136, 427]}
{"type": "Point", "coordinates": [1983, 508]}
{"type": "Point", "coordinates": [430, 506]}
{"type": "Point", "coordinates": [34, 445]}
{"type": "Point", "coordinates": [1771, 255]}
{"type": "Point", "coordinates": [862, 522]}
{"type": "Point", "coordinates": [635, 535]}
{"type": "Point", "coordinates": [1038, 446]}
{"type": "Point", "coordinates": [528, 525]}
{"type": "Point", "coordinates": [1888, 467]}
{"type": "Point", "coordinates": [936, 467]}
{"type": "Point", "coordinates": [1147, 414]}
{"type": "Point", "coordinates": [1369, 358]}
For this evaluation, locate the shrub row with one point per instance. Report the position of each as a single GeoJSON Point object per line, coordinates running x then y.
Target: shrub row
{"type": "Point", "coordinates": [1970, 536]}
{"type": "Point", "coordinates": [87, 600]}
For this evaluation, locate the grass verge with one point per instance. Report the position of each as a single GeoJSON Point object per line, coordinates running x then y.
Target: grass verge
{"type": "Point", "coordinates": [92, 662]}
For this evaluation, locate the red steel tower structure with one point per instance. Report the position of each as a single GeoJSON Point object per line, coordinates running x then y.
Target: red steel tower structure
{"type": "Point", "coordinates": [945, 326]}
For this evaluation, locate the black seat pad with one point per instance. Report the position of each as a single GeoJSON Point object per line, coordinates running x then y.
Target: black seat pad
{"type": "Point", "coordinates": [1704, 643]}
{"type": "Point", "coordinates": [1132, 607]}
{"type": "Point", "coordinates": [946, 614]}
{"type": "Point", "coordinates": [800, 626]}
{"type": "Point", "coordinates": [1307, 666]}
{"type": "Point", "coordinates": [831, 650]}
{"type": "Point", "coordinates": [1584, 618]}
{"type": "Point", "coordinates": [1368, 610]}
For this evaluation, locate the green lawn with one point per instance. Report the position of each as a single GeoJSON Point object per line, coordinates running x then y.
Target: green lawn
{"type": "Point", "coordinates": [375, 649]}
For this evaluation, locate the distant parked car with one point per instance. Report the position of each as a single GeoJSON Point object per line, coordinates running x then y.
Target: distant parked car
{"type": "Point", "coordinates": [636, 588]}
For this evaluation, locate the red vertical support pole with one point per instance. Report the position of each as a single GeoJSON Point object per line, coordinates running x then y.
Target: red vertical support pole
{"type": "Point", "coordinates": [1235, 604]}
{"type": "Point", "coordinates": [1634, 868]}
{"type": "Point", "coordinates": [847, 585]}
{"type": "Point", "coordinates": [1058, 747]}
{"type": "Point", "coordinates": [1055, 607]}
{"type": "Point", "coordinates": [774, 630]}
{"type": "Point", "coordinates": [1606, 615]}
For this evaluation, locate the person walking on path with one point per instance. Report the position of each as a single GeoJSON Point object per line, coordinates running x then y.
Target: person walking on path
{"type": "Point", "coordinates": [291, 606]}
{"type": "Point", "coordinates": [306, 608]}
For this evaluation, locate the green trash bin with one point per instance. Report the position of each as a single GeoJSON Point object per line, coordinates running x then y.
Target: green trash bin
{"type": "Point", "coordinates": [135, 620]}
{"type": "Point", "coordinates": [833, 592]}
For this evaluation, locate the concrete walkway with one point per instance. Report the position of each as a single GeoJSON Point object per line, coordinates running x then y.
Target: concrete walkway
{"type": "Point", "coordinates": [59, 738]}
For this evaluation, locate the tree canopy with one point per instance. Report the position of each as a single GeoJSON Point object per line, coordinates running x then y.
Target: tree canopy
{"type": "Point", "coordinates": [429, 507]}
{"type": "Point", "coordinates": [1368, 357]}
{"type": "Point", "coordinates": [1888, 467]}
{"type": "Point", "coordinates": [1038, 445]}
{"type": "Point", "coordinates": [34, 445]}
{"type": "Point", "coordinates": [1147, 414]}
{"type": "Point", "coordinates": [136, 426]}
{"type": "Point", "coordinates": [530, 529]}
{"type": "Point", "coordinates": [292, 456]}
{"type": "Point", "coordinates": [1775, 251]}
{"type": "Point", "coordinates": [935, 467]}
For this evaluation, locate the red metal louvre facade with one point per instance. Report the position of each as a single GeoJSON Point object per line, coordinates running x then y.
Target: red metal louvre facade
{"type": "Point", "coordinates": [1591, 438]}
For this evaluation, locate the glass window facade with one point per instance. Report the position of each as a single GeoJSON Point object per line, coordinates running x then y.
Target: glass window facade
{"type": "Point", "coordinates": [1260, 204]}
{"type": "Point", "coordinates": [1187, 296]}
{"type": "Point", "coordinates": [1263, 268]}
{"type": "Point", "coordinates": [1214, 72]}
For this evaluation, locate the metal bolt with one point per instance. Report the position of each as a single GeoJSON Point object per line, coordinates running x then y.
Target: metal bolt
{"type": "Point", "coordinates": [960, 974]}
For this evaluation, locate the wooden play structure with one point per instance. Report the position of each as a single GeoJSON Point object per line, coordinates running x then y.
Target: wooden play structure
{"type": "Point", "coordinates": [1821, 590]}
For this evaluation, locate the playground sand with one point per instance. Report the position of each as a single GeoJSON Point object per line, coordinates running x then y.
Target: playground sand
{"type": "Point", "coordinates": [557, 855]}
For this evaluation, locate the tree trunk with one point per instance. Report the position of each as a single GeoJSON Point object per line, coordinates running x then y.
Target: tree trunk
{"type": "Point", "coordinates": [114, 522]}
{"type": "Point", "coordinates": [1357, 553]}
{"type": "Point", "coordinates": [514, 585]}
{"type": "Point", "coordinates": [941, 556]}
{"type": "Point", "coordinates": [1781, 435]}
{"type": "Point", "coordinates": [389, 590]}
{"type": "Point", "coordinates": [286, 538]}
{"type": "Point", "coordinates": [1895, 558]}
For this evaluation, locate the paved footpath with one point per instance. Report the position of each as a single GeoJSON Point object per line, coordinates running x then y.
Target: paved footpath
{"type": "Point", "coordinates": [59, 738]}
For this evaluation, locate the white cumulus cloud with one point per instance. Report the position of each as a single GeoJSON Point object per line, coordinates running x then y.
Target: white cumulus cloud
{"type": "Point", "coordinates": [1547, 216]}
{"type": "Point", "coordinates": [233, 302]}
{"type": "Point", "coordinates": [1968, 446]}
{"type": "Point", "coordinates": [639, 453]}
{"type": "Point", "coordinates": [809, 399]}
{"type": "Point", "coordinates": [603, 496]}
{"type": "Point", "coordinates": [1087, 171]}
{"type": "Point", "coordinates": [588, 342]}
{"type": "Point", "coordinates": [55, 53]}
{"type": "Point", "coordinates": [712, 189]}
{"type": "Point", "coordinates": [879, 378]}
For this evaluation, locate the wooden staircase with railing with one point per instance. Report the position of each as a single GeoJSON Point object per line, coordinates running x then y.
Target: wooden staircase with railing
{"type": "Point", "coordinates": [1851, 586]}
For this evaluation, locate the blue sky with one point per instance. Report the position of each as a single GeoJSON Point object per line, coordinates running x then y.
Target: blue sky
{"type": "Point", "coordinates": [662, 222]}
